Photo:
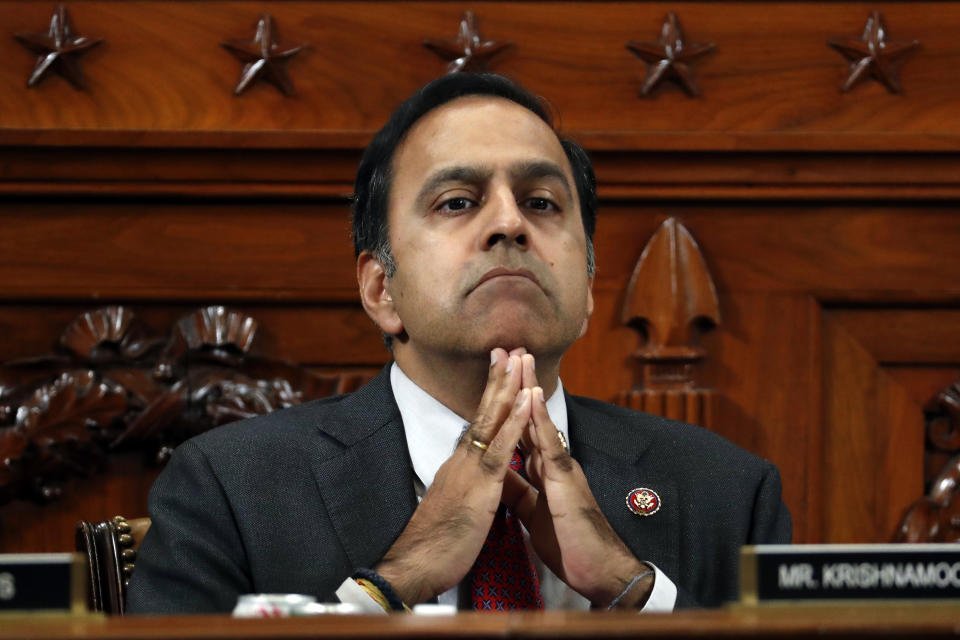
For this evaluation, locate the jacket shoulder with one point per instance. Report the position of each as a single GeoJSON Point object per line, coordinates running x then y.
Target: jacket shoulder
{"type": "Point", "coordinates": [298, 418]}
{"type": "Point", "coordinates": [657, 433]}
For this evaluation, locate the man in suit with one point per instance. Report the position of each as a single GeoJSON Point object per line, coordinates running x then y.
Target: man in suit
{"type": "Point", "coordinates": [473, 225]}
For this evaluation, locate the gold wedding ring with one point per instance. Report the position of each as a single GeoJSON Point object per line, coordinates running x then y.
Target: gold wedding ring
{"type": "Point", "coordinates": [480, 445]}
{"type": "Point", "coordinates": [563, 441]}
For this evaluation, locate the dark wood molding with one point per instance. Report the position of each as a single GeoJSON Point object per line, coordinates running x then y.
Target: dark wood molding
{"type": "Point", "coordinates": [112, 387]}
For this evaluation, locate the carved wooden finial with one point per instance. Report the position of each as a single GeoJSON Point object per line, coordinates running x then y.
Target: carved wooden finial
{"type": "Point", "coordinates": [670, 294]}
{"type": "Point", "coordinates": [670, 299]}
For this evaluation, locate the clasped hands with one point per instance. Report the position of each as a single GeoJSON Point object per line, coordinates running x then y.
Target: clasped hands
{"type": "Point", "coordinates": [567, 529]}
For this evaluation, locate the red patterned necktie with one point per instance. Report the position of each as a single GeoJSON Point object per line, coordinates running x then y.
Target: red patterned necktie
{"type": "Point", "coordinates": [503, 577]}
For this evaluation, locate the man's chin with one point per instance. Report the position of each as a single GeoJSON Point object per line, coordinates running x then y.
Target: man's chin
{"type": "Point", "coordinates": [532, 341]}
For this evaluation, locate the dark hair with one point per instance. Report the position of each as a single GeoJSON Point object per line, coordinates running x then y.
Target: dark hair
{"type": "Point", "coordinates": [372, 187]}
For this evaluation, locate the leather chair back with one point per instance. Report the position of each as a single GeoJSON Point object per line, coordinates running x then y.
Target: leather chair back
{"type": "Point", "coordinates": [111, 550]}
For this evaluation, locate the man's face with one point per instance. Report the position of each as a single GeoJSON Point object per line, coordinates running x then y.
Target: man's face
{"type": "Point", "coordinates": [485, 228]}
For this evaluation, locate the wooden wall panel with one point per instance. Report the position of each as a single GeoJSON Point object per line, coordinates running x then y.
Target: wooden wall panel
{"type": "Point", "coordinates": [199, 250]}
{"type": "Point", "coordinates": [776, 265]}
{"type": "Point", "coordinates": [827, 220]}
{"type": "Point", "coordinates": [120, 489]}
{"type": "Point", "coordinates": [763, 359]}
{"type": "Point", "coordinates": [873, 422]}
{"type": "Point", "coordinates": [839, 252]}
{"type": "Point", "coordinates": [162, 74]}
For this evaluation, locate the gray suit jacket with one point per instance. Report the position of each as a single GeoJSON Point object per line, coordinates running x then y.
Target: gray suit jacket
{"type": "Point", "coordinates": [294, 501]}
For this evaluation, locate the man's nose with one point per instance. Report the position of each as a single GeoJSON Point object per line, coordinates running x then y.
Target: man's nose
{"type": "Point", "coordinates": [506, 223]}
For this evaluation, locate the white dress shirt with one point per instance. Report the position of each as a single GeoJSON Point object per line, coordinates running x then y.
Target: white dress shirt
{"type": "Point", "coordinates": [433, 431]}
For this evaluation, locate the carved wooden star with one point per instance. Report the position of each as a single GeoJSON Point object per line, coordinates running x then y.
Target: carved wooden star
{"type": "Point", "coordinates": [263, 58]}
{"type": "Point", "coordinates": [468, 51]}
{"type": "Point", "coordinates": [669, 57]}
{"type": "Point", "coordinates": [873, 54]}
{"type": "Point", "coordinates": [58, 49]}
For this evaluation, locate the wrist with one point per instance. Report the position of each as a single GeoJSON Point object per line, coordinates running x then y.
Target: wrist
{"type": "Point", "coordinates": [409, 591]}
{"type": "Point", "coordinates": [617, 587]}
{"type": "Point", "coordinates": [636, 592]}
{"type": "Point", "coordinates": [380, 590]}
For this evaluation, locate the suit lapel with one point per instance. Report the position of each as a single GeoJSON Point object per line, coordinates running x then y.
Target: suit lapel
{"type": "Point", "coordinates": [613, 457]}
{"type": "Point", "coordinates": [367, 489]}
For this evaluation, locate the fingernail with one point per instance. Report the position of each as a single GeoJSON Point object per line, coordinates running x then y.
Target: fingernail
{"type": "Point", "coordinates": [493, 357]}
{"type": "Point", "coordinates": [540, 395]}
{"type": "Point", "coordinates": [510, 364]}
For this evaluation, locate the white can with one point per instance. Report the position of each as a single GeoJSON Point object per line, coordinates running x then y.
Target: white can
{"type": "Point", "coordinates": [270, 605]}
{"type": "Point", "coordinates": [326, 608]}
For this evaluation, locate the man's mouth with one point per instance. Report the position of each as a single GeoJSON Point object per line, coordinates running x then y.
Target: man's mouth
{"type": "Point", "coordinates": [503, 272]}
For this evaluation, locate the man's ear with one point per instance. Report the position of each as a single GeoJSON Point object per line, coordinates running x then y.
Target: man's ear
{"type": "Point", "coordinates": [376, 298]}
{"type": "Point", "coordinates": [586, 318]}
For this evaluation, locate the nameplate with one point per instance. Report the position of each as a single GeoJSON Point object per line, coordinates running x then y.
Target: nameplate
{"type": "Point", "coordinates": [823, 572]}
{"type": "Point", "coordinates": [43, 582]}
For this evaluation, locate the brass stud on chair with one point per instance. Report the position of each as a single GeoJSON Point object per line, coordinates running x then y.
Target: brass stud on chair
{"type": "Point", "coordinates": [128, 555]}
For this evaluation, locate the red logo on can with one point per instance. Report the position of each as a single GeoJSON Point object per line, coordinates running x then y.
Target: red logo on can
{"type": "Point", "coordinates": [643, 501]}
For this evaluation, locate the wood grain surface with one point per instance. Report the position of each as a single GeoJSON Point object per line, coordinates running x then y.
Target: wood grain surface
{"type": "Point", "coordinates": [797, 622]}
{"type": "Point", "coordinates": [773, 82]}
{"type": "Point", "coordinates": [828, 221]}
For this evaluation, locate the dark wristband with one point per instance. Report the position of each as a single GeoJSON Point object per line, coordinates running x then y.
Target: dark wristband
{"type": "Point", "coordinates": [377, 580]}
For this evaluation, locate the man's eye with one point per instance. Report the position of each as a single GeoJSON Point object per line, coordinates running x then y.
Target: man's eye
{"type": "Point", "coordinates": [541, 204]}
{"type": "Point", "coordinates": [455, 204]}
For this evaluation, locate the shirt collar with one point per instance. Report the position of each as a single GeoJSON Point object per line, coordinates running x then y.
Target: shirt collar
{"type": "Point", "coordinates": [432, 430]}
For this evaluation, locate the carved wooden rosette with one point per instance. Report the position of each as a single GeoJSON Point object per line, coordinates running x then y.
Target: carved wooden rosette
{"type": "Point", "coordinates": [670, 299]}
{"type": "Point", "coordinates": [935, 517]}
{"type": "Point", "coordinates": [112, 386]}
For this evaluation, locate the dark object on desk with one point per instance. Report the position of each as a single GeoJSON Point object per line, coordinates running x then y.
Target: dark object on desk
{"type": "Point", "coordinates": [110, 548]}
{"type": "Point", "coordinates": [777, 574]}
{"type": "Point", "coordinates": [41, 584]}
